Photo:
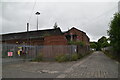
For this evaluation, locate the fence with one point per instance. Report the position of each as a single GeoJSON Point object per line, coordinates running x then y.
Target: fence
{"type": "Point", "coordinates": [83, 49]}
{"type": "Point", "coordinates": [30, 52]}
{"type": "Point", "coordinates": [12, 51]}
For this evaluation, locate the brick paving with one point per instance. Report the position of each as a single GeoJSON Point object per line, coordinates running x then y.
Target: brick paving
{"type": "Point", "coordinates": [35, 69]}
{"type": "Point", "coordinates": [96, 65]}
{"type": "Point", "coordinates": [0, 68]}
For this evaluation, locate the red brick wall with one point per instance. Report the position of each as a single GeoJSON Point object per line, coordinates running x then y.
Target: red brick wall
{"type": "Point", "coordinates": [81, 35]}
{"type": "Point", "coordinates": [24, 41]}
{"type": "Point", "coordinates": [74, 31]}
{"type": "Point", "coordinates": [55, 40]}
{"type": "Point", "coordinates": [48, 40]}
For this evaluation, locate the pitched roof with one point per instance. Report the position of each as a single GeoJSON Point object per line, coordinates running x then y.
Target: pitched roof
{"type": "Point", "coordinates": [73, 28]}
{"type": "Point", "coordinates": [32, 34]}
{"type": "Point", "coordinates": [77, 30]}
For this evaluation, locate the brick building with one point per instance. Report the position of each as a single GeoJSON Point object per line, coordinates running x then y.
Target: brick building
{"type": "Point", "coordinates": [46, 37]}
{"type": "Point", "coordinates": [39, 37]}
{"type": "Point", "coordinates": [76, 35]}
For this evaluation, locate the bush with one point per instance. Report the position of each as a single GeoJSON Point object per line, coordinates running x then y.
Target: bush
{"type": "Point", "coordinates": [62, 58]}
{"type": "Point", "coordinates": [80, 56]}
{"type": "Point", "coordinates": [76, 43]}
{"type": "Point", "coordinates": [74, 57]}
{"type": "Point", "coordinates": [38, 58]}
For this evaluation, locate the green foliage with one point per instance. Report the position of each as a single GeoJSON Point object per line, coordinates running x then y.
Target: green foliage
{"type": "Point", "coordinates": [46, 34]}
{"type": "Point", "coordinates": [111, 55]}
{"type": "Point", "coordinates": [105, 44]}
{"type": "Point", "coordinates": [76, 43]}
{"type": "Point", "coordinates": [38, 58]}
{"type": "Point", "coordinates": [102, 39]}
{"type": "Point", "coordinates": [114, 33]}
{"type": "Point", "coordinates": [74, 57]}
{"type": "Point", "coordinates": [93, 45]}
{"type": "Point", "coordinates": [102, 42]}
{"type": "Point", "coordinates": [80, 56]}
{"type": "Point", "coordinates": [62, 58]}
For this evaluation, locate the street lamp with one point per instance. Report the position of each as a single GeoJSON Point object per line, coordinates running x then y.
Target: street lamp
{"type": "Point", "coordinates": [37, 13]}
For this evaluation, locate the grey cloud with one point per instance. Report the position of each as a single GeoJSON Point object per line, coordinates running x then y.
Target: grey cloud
{"type": "Point", "coordinates": [83, 15]}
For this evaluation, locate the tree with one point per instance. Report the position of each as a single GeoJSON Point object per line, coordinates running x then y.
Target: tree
{"type": "Point", "coordinates": [114, 33]}
{"type": "Point", "coordinates": [93, 45]}
{"type": "Point", "coordinates": [102, 39]}
{"type": "Point", "coordinates": [105, 44]}
{"type": "Point", "coordinates": [102, 42]}
{"type": "Point", "coordinates": [55, 25]}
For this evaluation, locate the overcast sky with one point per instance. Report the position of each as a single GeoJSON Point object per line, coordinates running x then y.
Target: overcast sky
{"type": "Point", "coordinates": [90, 17]}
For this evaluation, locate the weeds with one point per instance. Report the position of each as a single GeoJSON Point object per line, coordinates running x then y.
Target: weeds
{"type": "Point", "coordinates": [38, 58]}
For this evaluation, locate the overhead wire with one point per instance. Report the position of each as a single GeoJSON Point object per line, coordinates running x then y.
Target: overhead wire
{"type": "Point", "coordinates": [98, 17]}
{"type": "Point", "coordinates": [32, 11]}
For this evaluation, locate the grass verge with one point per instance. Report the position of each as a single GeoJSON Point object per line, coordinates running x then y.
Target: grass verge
{"type": "Point", "coordinates": [111, 55]}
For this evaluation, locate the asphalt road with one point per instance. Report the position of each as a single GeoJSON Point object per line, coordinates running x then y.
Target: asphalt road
{"type": "Point", "coordinates": [96, 65]}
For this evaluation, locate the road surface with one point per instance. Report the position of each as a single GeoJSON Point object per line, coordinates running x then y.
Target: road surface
{"type": "Point", "coordinates": [96, 65]}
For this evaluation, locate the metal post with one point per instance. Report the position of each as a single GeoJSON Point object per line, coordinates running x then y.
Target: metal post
{"type": "Point", "coordinates": [26, 49]}
{"type": "Point", "coordinates": [37, 22]}
{"type": "Point", "coordinates": [37, 13]}
{"type": "Point", "coordinates": [27, 33]}
{"type": "Point", "coordinates": [27, 27]}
